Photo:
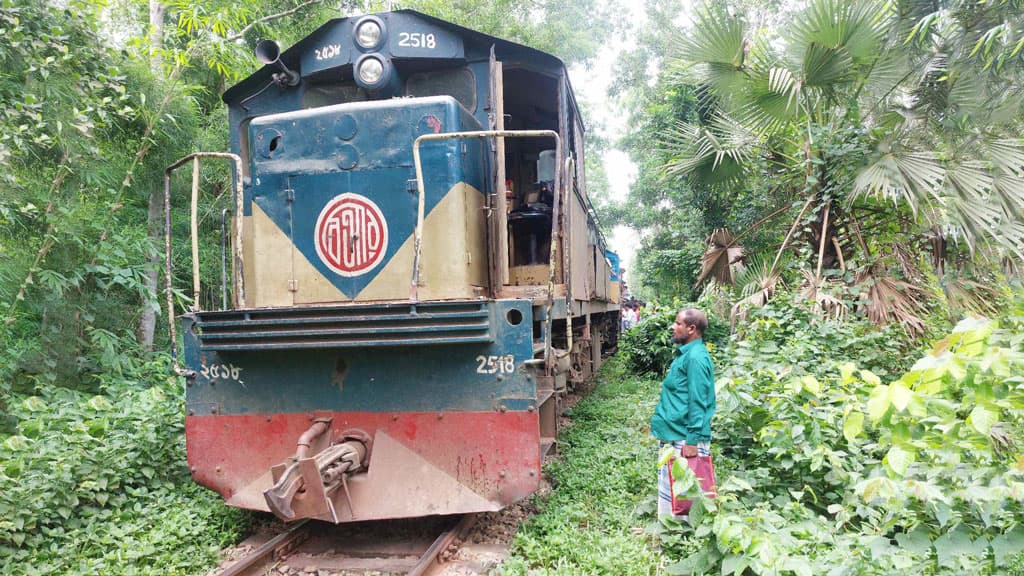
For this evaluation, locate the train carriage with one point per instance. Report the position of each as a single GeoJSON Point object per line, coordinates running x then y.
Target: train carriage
{"type": "Point", "coordinates": [417, 276]}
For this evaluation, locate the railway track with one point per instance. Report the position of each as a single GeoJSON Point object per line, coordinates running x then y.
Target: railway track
{"type": "Point", "coordinates": [414, 547]}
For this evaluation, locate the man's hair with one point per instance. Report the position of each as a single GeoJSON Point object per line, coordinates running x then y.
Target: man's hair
{"type": "Point", "coordinates": [695, 318]}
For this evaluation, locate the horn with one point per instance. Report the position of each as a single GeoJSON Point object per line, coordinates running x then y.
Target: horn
{"type": "Point", "coordinates": [268, 52]}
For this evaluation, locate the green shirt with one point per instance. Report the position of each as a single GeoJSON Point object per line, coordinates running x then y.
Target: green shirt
{"type": "Point", "coordinates": [687, 397]}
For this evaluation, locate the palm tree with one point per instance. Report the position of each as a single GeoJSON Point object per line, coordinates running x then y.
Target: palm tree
{"type": "Point", "coordinates": [888, 121]}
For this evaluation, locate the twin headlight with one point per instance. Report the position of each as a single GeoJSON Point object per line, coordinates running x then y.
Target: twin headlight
{"type": "Point", "coordinates": [372, 70]}
{"type": "Point", "coordinates": [369, 34]}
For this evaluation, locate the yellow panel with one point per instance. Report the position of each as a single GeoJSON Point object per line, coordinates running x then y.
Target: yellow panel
{"type": "Point", "coordinates": [453, 258]}
{"type": "Point", "coordinates": [527, 275]}
{"type": "Point", "coordinates": [267, 262]}
{"type": "Point", "coordinates": [613, 292]}
{"type": "Point", "coordinates": [248, 258]}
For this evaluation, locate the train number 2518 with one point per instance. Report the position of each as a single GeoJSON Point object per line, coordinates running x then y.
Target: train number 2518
{"type": "Point", "coordinates": [222, 372]}
{"type": "Point", "coordinates": [494, 364]}
{"type": "Point", "coordinates": [417, 40]}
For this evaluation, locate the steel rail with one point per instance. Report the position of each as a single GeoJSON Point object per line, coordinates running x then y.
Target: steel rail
{"type": "Point", "coordinates": [258, 561]}
{"type": "Point", "coordinates": [431, 558]}
{"type": "Point", "coordinates": [272, 546]}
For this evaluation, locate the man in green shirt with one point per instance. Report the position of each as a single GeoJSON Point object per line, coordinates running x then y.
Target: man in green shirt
{"type": "Point", "coordinates": [683, 415]}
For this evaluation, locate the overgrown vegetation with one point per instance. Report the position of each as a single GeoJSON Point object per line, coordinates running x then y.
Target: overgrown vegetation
{"type": "Point", "coordinates": [868, 147]}
{"type": "Point", "coordinates": [647, 348]}
{"type": "Point", "coordinates": [601, 479]}
{"type": "Point", "coordinates": [98, 484]}
{"type": "Point", "coordinates": [839, 449]}
{"type": "Point", "coordinates": [829, 468]}
{"type": "Point", "coordinates": [844, 178]}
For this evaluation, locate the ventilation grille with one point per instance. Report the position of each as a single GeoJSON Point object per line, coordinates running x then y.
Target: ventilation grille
{"type": "Point", "coordinates": [356, 326]}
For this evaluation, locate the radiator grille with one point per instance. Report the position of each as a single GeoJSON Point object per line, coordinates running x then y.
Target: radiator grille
{"type": "Point", "coordinates": [355, 326]}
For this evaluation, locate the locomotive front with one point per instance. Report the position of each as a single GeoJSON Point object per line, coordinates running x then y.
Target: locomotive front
{"type": "Point", "coordinates": [370, 366]}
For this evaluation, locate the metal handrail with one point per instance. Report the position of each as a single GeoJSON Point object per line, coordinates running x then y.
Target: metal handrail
{"type": "Point", "coordinates": [555, 216]}
{"type": "Point", "coordinates": [236, 178]}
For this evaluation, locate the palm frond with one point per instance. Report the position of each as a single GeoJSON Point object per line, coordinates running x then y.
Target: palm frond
{"type": "Point", "coordinates": [814, 290]}
{"type": "Point", "coordinates": [902, 175]}
{"type": "Point", "coordinates": [1006, 154]}
{"type": "Point", "coordinates": [721, 260]}
{"type": "Point", "coordinates": [758, 283]}
{"type": "Point", "coordinates": [858, 27]}
{"type": "Point", "coordinates": [985, 203]}
{"type": "Point", "coordinates": [885, 79]}
{"type": "Point", "coordinates": [969, 92]}
{"type": "Point", "coordinates": [772, 99]}
{"type": "Point", "coordinates": [826, 66]}
{"type": "Point", "coordinates": [711, 154]}
{"type": "Point", "coordinates": [717, 38]}
{"type": "Point", "coordinates": [1009, 192]}
{"type": "Point", "coordinates": [715, 51]}
{"type": "Point", "coordinates": [965, 296]}
{"type": "Point", "coordinates": [887, 300]}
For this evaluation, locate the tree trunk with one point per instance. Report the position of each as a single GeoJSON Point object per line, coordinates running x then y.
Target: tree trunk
{"type": "Point", "coordinates": [157, 11]}
{"type": "Point", "coordinates": [147, 315]}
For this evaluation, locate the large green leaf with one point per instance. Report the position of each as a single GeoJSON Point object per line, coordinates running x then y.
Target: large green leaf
{"type": "Point", "coordinates": [717, 38]}
{"type": "Point", "coordinates": [1007, 545]}
{"type": "Point", "coordinates": [902, 175]}
{"type": "Point", "coordinates": [878, 402]}
{"type": "Point", "coordinates": [853, 426]}
{"type": "Point", "coordinates": [858, 27]}
{"type": "Point", "coordinates": [899, 459]}
{"type": "Point", "coordinates": [982, 418]}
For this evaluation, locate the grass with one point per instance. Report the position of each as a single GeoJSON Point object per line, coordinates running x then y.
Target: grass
{"type": "Point", "coordinates": [599, 516]}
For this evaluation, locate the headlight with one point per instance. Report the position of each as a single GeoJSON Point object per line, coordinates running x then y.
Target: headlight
{"type": "Point", "coordinates": [368, 34]}
{"type": "Point", "coordinates": [370, 70]}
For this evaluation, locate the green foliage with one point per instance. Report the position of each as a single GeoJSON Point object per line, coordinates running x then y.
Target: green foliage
{"type": "Point", "coordinates": [647, 348]}
{"type": "Point", "coordinates": [889, 136]}
{"type": "Point", "coordinates": [73, 210]}
{"type": "Point", "coordinates": [600, 481]}
{"type": "Point", "coordinates": [105, 475]}
{"type": "Point", "coordinates": [826, 467]}
{"type": "Point", "coordinates": [786, 335]}
{"type": "Point", "coordinates": [548, 25]}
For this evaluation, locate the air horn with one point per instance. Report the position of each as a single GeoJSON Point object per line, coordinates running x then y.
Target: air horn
{"type": "Point", "coordinates": [268, 52]}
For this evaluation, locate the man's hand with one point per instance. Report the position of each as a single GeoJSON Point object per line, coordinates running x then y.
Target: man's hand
{"type": "Point", "coordinates": [689, 450]}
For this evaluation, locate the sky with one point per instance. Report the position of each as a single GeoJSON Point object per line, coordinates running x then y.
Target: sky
{"type": "Point", "coordinates": [591, 86]}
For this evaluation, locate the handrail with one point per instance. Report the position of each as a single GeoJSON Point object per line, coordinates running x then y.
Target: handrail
{"type": "Point", "coordinates": [570, 167]}
{"type": "Point", "coordinates": [236, 178]}
{"type": "Point", "coordinates": [555, 217]}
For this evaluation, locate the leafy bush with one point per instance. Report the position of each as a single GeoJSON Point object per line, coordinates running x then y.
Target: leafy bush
{"type": "Point", "coordinates": [826, 468]}
{"type": "Point", "coordinates": [647, 348]}
{"type": "Point", "coordinates": [104, 476]}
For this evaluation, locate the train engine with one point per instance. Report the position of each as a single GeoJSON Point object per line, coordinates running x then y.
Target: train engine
{"type": "Point", "coordinates": [416, 276]}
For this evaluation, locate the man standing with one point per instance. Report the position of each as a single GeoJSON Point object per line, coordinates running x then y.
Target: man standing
{"type": "Point", "coordinates": [683, 415]}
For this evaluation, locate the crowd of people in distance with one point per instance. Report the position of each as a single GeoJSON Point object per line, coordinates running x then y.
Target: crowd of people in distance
{"type": "Point", "coordinates": [631, 314]}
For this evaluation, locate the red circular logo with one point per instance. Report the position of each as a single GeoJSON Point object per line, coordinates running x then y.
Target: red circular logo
{"type": "Point", "coordinates": [351, 235]}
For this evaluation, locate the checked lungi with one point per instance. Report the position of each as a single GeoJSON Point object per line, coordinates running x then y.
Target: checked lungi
{"type": "Point", "coordinates": [664, 486]}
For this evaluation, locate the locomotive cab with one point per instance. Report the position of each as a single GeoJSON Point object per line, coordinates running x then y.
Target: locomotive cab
{"type": "Point", "coordinates": [417, 276]}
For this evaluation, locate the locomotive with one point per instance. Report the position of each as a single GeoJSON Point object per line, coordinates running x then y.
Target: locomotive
{"type": "Point", "coordinates": [416, 276]}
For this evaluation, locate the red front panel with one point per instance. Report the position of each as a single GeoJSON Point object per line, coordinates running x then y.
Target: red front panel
{"type": "Point", "coordinates": [419, 463]}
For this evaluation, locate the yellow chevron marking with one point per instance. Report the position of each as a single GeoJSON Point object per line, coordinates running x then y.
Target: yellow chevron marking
{"type": "Point", "coordinates": [267, 265]}
{"type": "Point", "coordinates": [453, 260]}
